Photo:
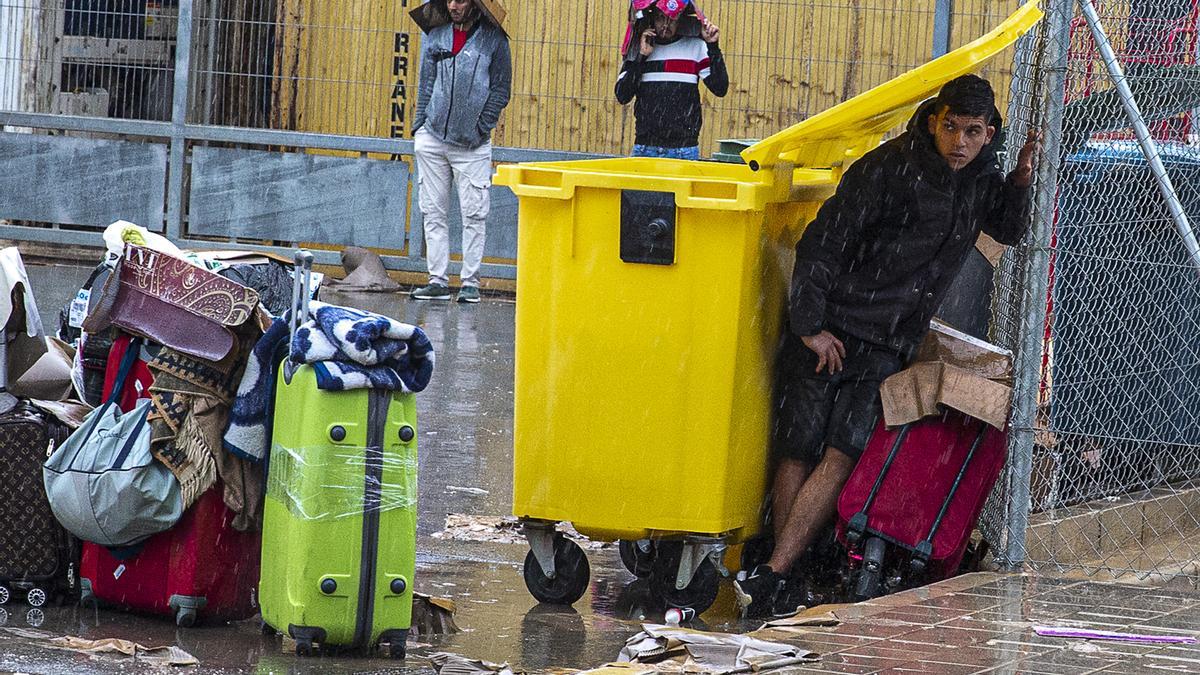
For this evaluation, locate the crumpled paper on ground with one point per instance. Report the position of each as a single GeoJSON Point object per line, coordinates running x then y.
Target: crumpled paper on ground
{"type": "Point", "coordinates": [155, 656]}
{"type": "Point", "coordinates": [716, 653]}
{"type": "Point", "coordinates": [621, 669]}
{"type": "Point", "coordinates": [453, 664]}
{"type": "Point", "coordinates": [502, 530]}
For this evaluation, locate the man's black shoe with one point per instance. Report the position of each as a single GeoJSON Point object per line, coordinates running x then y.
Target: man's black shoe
{"type": "Point", "coordinates": [757, 592]}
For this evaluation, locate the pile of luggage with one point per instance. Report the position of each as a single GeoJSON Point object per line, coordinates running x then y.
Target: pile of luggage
{"type": "Point", "coordinates": [239, 425]}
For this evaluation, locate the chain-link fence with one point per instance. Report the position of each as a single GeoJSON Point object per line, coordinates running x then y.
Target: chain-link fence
{"type": "Point", "coordinates": [1102, 303]}
{"type": "Point", "coordinates": [350, 68]}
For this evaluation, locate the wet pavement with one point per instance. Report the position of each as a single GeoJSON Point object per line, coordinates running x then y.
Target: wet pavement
{"type": "Point", "coordinates": [979, 623]}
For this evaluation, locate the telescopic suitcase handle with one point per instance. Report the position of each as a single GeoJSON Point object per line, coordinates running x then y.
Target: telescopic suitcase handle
{"type": "Point", "coordinates": [301, 293]}
{"type": "Point", "coordinates": [857, 525]}
{"type": "Point", "coordinates": [924, 550]}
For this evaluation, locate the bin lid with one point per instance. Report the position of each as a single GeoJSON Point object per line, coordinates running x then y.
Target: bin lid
{"type": "Point", "coordinates": [850, 129]}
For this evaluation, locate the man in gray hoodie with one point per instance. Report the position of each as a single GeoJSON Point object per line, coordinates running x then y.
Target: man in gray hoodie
{"type": "Point", "coordinates": [466, 80]}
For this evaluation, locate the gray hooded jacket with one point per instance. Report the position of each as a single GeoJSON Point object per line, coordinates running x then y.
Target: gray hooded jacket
{"type": "Point", "coordinates": [460, 97]}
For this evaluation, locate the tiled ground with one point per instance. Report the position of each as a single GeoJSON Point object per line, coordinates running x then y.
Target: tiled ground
{"type": "Point", "coordinates": [983, 623]}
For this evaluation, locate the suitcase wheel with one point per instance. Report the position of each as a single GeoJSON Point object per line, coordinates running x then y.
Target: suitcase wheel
{"type": "Point", "coordinates": [870, 576]}
{"type": "Point", "coordinates": [36, 597]}
{"type": "Point", "coordinates": [4, 595]}
{"type": "Point", "coordinates": [185, 617]}
{"type": "Point", "coordinates": [570, 579]}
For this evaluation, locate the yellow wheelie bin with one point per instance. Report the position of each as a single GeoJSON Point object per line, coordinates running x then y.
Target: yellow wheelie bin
{"type": "Point", "coordinates": [651, 295]}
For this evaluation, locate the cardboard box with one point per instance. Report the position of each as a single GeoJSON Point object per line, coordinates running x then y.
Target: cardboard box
{"type": "Point", "coordinates": [432, 14]}
{"type": "Point", "coordinates": [944, 344]}
{"type": "Point", "coordinates": [955, 370]}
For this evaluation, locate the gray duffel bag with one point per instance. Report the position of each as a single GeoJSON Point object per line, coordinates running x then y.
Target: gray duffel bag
{"type": "Point", "coordinates": [104, 484]}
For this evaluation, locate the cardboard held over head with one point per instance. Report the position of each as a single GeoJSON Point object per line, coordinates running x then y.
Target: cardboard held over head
{"type": "Point", "coordinates": [955, 370]}
{"type": "Point", "coordinates": [432, 14]}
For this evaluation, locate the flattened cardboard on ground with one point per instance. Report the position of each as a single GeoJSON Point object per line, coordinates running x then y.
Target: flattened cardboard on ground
{"type": "Point", "coordinates": [944, 344]}
{"type": "Point", "coordinates": [917, 391]}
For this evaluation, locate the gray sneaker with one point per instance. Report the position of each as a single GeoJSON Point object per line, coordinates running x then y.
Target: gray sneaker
{"type": "Point", "coordinates": [468, 294]}
{"type": "Point", "coordinates": [432, 292]}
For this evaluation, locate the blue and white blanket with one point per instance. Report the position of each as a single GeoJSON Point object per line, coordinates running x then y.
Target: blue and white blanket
{"type": "Point", "coordinates": [348, 349]}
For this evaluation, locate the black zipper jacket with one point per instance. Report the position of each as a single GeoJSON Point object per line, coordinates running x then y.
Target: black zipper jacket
{"type": "Point", "coordinates": [882, 252]}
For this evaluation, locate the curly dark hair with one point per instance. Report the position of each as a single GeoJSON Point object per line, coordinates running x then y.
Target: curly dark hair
{"type": "Point", "coordinates": [968, 95]}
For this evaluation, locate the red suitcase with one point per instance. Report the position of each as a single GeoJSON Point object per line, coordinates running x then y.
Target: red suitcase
{"type": "Point", "coordinates": [910, 505]}
{"type": "Point", "coordinates": [201, 568]}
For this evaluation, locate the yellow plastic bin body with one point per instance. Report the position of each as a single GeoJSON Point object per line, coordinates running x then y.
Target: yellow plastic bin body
{"type": "Point", "coordinates": [642, 390]}
{"type": "Point", "coordinates": [644, 372]}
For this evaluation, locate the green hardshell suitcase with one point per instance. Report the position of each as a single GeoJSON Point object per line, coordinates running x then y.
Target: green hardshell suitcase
{"type": "Point", "coordinates": [339, 523]}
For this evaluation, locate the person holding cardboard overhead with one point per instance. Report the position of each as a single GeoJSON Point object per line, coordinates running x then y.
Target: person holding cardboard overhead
{"type": "Point", "coordinates": [670, 48]}
{"type": "Point", "coordinates": [465, 82]}
{"type": "Point", "coordinates": [870, 272]}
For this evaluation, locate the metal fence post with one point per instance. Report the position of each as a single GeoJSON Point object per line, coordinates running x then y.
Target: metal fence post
{"type": "Point", "coordinates": [179, 104]}
{"type": "Point", "coordinates": [942, 12]}
{"type": "Point", "coordinates": [1050, 67]}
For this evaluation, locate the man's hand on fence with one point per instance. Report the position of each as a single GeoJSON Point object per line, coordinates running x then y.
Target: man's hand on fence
{"type": "Point", "coordinates": [829, 350]}
{"type": "Point", "coordinates": [1022, 175]}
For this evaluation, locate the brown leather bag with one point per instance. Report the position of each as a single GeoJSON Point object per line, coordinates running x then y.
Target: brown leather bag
{"type": "Point", "coordinates": [174, 303]}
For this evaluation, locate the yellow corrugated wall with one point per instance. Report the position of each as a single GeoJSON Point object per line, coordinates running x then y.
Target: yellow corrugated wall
{"type": "Point", "coordinates": [351, 67]}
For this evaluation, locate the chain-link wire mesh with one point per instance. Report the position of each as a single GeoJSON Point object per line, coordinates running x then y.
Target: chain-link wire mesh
{"type": "Point", "coordinates": [109, 58]}
{"type": "Point", "coordinates": [1109, 453]}
{"type": "Point", "coordinates": [351, 67]}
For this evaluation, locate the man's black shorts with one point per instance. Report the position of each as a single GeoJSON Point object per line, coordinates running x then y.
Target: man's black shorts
{"type": "Point", "coordinates": [818, 410]}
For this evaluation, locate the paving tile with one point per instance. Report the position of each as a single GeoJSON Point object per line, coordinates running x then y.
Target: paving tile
{"type": "Point", "coordinates": [1034, 667]}
{"type": "Point", "coordinates": [963, 602]}
{"type": "Point", "coordinates": [870, 663]}
{"type": "Point", "coordinates": [1174, 657]}
{"type": "Point", "coordinates": [976, 630]}
{"type": "Point", "coordinates": [916, 646]}
{"type": "Point", "coordinates": [982, 655]}
{"type": "Point", "coordinates": [1066, 659]}
{"type": "Point", "coordinates": [932, 667]}
{"type": "Point", "coordinates": [879, 631]}
{"type": "Point", "coordinates": [919, 614]}
{"type": "Point", "coordinates": [1132, 614]}
{"type": "Point", "coordinates": [1041, 610]}
{"type": "Point", "coordinates": [882, 650]}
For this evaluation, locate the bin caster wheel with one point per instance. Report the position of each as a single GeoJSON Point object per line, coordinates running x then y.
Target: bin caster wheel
{"type": "Point", "coordinates": [699, 595]}
{"type": "Point", "coordinates": [185, 618]}
{"type": "Point", "coordinates": [397, 650]}
{"type": "Point", "coordinates": [5, 595]}
{"type": "Point", "coordinates": [639, 561]}
{"type": "Point", "coordinates": [570, 579]}
{"type": "Point", "coordinates": [304, 648]}
{"type": "Point", "coordinates": [36, 597]}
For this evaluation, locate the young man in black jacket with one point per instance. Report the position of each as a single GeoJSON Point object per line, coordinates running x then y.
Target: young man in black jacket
{"type": "Point", "coordinates": [870, 272]}
{"type": "Point", "coordinates": [663, 69]}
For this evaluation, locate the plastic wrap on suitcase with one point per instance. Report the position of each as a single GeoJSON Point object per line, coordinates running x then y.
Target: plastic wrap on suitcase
{"type": "Point", "coordinates": [339, 492]}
